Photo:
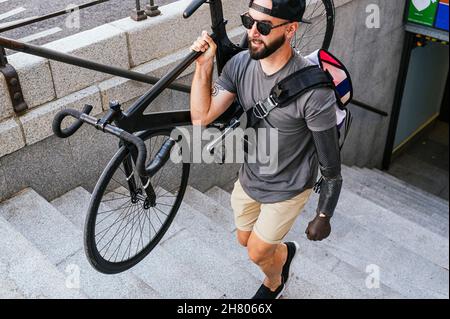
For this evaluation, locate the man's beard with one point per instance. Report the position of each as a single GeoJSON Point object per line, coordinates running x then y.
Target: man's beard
{"type": "Point", "coordinates": [266, 50]}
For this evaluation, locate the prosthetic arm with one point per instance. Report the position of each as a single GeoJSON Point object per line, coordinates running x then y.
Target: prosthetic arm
{"type": "Point", "coordinates": [327, 146]}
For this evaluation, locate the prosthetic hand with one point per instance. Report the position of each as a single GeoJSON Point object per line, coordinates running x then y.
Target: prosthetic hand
{"type": "Point", "coordinates": [319, 228]}
{"type": "Point", "coordinates": [327, 146]}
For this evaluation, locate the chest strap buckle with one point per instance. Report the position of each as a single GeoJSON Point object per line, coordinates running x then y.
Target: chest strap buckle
{"type": "Point", "coordinates": [263, 108]}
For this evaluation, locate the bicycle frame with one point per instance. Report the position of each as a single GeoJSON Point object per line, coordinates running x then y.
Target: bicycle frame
{"type": "Point", "coordinates": [133, 120]}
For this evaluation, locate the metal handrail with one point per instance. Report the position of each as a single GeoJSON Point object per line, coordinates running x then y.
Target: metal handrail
{"type": "Point", "coordinates": [87, 64]}
{"type": "Point", "coordinates": [132, 75]}
{"type": "Point", "coordinates": [3, 60]}
{"type": "Point", "coordinates": [17, 24]}
{"type": "Point", "coordinates": [151, 11]}
{"type": "Point", "coordinates": [368, 108]}
{"type": "Point", "coordinates": [12, 78]}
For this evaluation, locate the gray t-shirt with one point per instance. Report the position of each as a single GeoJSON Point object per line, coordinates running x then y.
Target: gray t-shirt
{"type": "Point", "coordinates": [297, 167]}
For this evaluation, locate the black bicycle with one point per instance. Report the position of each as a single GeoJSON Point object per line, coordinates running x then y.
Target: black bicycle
{"type": "Point", "coordinates": [140, 191]}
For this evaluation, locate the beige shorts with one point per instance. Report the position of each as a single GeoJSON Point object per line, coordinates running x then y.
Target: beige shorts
{"type": "Point", "coordinates": [270, 222]}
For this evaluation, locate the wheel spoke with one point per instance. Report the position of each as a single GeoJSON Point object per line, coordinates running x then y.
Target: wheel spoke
{"type": "Point", "coordinates": [161, 211]}
{"type": "Point", "coordinates": [118, 232]}
{"type": "Point", "coordinates": [125, 233]}
{"type": "Point", "coordinates": [312, 36]}
{"type": "Point", "coordinates": [115, 222]}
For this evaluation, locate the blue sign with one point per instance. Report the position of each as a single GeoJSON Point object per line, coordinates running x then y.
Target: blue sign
{"type": "Point", "coordinates": [442, 16]}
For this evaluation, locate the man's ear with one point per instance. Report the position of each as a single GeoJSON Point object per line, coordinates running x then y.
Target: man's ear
{"type": "Point", "coordinates": [293, 27]}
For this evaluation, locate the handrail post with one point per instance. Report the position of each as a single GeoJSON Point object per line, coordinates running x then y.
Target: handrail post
{"type": "Point", "coordinates": [138, 14]}
{"type": "Point", "coordinates": [151, 10]}
{"type": "Point", "coordinates": [3, 60]}
{"type": "Point", "coordinates": [13, 84]}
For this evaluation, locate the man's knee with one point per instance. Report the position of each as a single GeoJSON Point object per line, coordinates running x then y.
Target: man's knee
{"type": "Point", "coordinates": [259, 251]}
{"type": "Point", "coordinates": [243, 237]}
{"type": "Point", "coordinates": [257, 254]}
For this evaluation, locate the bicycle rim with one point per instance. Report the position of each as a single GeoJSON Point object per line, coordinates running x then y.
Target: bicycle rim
{"type": "Point", "coordinates": [318, 35]}
{"type": "Point", "coordinates": [122, 227]}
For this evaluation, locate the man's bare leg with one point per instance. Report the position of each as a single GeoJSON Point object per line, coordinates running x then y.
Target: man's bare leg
{"type": "Point", "coordinates": [270, 259]}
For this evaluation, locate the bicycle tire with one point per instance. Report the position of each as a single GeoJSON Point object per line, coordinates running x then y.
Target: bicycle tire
{"type": "Point", "coordinates": [105, 200]}
{"type": "Point", "coordinates": [322, 15]}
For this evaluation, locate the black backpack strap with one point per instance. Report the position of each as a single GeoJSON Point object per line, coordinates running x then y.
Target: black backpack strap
{"type": "Point", "coordinates": [296, 84]}
{"type": "Point", "coordinates": [288, 90]}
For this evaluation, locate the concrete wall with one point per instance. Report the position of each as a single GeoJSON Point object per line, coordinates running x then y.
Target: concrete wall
{"type": "Point", "coordinates": [31, 156]}
{"type": "Point", "coordinates": [373, 58]}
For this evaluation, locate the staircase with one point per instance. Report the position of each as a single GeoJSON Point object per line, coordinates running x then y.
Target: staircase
{"type": "Point", "coordinates": [389, 240]}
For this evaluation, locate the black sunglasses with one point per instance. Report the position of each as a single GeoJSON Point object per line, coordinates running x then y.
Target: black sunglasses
{"type": "Point", "coordinates": [263, 27]}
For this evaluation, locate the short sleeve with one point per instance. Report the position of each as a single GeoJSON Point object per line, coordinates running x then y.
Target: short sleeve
{"type": "Point", "coordinates": [227, 78]}
{"type": "Point", "coordinates": [320, 110]}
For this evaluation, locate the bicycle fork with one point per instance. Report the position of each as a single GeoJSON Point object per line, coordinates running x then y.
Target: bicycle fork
{"type": "Point", "coordinates": [136, 147]}
{"type": "Point", "coordinates": [159, 160]}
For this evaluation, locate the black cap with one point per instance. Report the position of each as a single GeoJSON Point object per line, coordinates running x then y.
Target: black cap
{"type": "Point", "coordinates": [292, 10]}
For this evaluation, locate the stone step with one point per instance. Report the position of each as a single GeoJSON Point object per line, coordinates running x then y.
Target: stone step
{"type": "Point", "coordinates": [25, 272]}
{"type": "Point", "coordinates": [423, 201]}
{"type": "Point", "coordinates": [300, 287]}
{"type": "Point", "coordinates": [361, 177]}
{"type": "Point", "coordinates": [393, 200]}
{"type": "Point", "coordinates": [403, 194]}
{"type": "Point", "coordinates": [220, 196]}
{"type": "Point", "coordinates": [325, 280]}
{"type": "Point", "coordinates": [417, 172]}
{"type": "Point", "coordinates": [437, 214]}
{"type": "Point", "coordinates": [400, 230]}
{"type": "Point", "coordinates": [74, 206]}
{"type": "Point", "coordinates": [156, 278]}
{"type": "Point", "coordinates": [39, 222]}
{"type": "Point", "coordinates": [167, 262]}
{"type": "Point", "coordinates": [223, 217]}
{"type": "Point", "coordinates": [441, 202]}
{"type": "Point", "coordinates": [419, 201]}
{"type": "Point", "coordinates": [436, 224]}
{"type": "Point", "coordinates": [402, 269]}
{"type": "Point", "coordinates": [218, 239]}
{"type": "Point", "coordinates": [352, 278]}
{"type": "Point", "coordinates": [49, 230]}
{"type": "Point", "coordinates": [211, 265]}
{"type": "Point", "coordinates": [337, 258]}
{"type": "Point", "coordinates": [171, 278]}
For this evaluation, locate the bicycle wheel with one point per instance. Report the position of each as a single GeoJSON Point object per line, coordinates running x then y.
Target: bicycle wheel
{"type": "Point", "coordinates": [318, 35]}
{"type": "Point", "coordinates": [126, 220]}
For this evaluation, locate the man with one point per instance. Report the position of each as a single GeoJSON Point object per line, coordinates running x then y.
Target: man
{"type": "Point", "coordinates": [266, 206]}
